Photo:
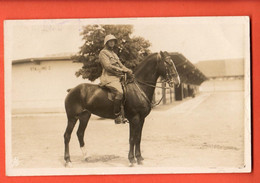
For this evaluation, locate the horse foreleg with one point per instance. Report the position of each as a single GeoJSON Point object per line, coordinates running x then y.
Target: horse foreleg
{"type": "Point", "coordinates": [83, 119]}
{"type": "Point", "coordinates": [135, 127]}
{"type": "Point", "coordinates": [131, 157]}
{"type": "Point", "coordinates": [67, 136]}
{"type": "Point", "coordinates": [138, 155]}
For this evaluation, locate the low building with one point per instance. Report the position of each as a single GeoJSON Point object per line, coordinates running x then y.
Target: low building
{"type": "Point", "coordinates": [190, 75]}
{"type": "Point", "coordinates": [40, 84]}
{"type": "Point", "coordinates": [228, 68]}
{"type": "Point", "coordinates": [224, 75]}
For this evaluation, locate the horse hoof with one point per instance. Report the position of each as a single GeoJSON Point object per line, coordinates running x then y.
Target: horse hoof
{"type": "Point", "coordinates": [131, 165]}
{"type": "Point", "coordinates": [84, 152]}
{"type": "Point", "coordinates": [140, 158]}
{"type": "Point", "coordinates": [139, 162]}
{"type": "Point", "coordinates": [132, 161]}
{"type": "Point", "coordinates": [68, 165]}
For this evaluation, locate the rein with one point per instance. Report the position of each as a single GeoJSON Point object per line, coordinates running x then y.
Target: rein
{"type": "Point", "coordinates": [151, 85]}
{"type": "Point", "coordinates": [145, 96]}
{"type": "Point", "coordinates": [136, 81]}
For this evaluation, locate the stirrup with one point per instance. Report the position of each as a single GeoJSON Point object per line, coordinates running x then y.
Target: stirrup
{"type": "Point", "coordinates": [125, 120]}
{"type": "Point", "coordinates": [119, 119]}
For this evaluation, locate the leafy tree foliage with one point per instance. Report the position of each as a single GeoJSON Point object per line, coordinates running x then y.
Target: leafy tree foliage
{"type": "Point", "coordinates": [131, 50]}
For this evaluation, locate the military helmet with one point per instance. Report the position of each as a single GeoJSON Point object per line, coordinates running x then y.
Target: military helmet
{"type": "Point", "coordinates": [108, 38]}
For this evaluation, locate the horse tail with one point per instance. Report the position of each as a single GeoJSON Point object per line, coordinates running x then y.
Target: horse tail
{"type": "Point", "coordinates": [73, 101]}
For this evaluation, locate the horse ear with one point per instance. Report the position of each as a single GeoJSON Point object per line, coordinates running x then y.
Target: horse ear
{"type": "Point", "coordinates": [162, 54]}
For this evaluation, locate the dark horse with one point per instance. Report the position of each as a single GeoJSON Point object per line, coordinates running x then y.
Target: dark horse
{"type": "Point", "coordinates": [86, 99]}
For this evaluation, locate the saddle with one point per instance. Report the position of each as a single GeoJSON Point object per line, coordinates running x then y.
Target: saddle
{"type": "Point", "coordinates": [110, 95]}
{"type": "Point", "coordinates": [124, 81]}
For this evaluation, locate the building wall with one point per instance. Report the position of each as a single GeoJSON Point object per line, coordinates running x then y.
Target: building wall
{"type": "Point", "coordinates": [169, 95]}
{"type": "Point", "coordinates": [42, 88]}
{"type": "Point", "coordinates": [235, 67]}
{"type": "Point", "coordinates": [222, 85]}
{"type": "Point", "coordinates": [222, 68]}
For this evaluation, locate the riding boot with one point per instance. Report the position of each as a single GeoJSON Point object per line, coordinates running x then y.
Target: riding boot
{"type": "Point", "coordinates": [117, 111]}
{"type": "Point", "coordinates": [123, 114]}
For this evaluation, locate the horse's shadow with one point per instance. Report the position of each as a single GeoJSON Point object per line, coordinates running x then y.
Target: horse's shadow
{"type": "Point", "coordinates": [98, 160]}
{"type": "Point", "coordinates": [103, 158]}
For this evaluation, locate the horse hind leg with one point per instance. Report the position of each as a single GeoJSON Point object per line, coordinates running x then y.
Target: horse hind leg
{"type": "Point", "coordinates": [83, 119]}
{"type": "Point", "coordinates": [67, 135]}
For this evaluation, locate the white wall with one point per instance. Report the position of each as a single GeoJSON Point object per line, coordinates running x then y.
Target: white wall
{"type": "Point", "coordinates": [222, 85]}
{"type": "Point", "coordinates": [42, 87]}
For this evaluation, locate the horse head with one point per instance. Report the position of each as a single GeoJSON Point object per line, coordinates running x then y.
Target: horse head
{"type": "Point", "coordinates": [167, 69]}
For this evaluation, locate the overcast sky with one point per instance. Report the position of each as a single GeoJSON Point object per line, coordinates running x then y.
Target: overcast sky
{"type": "Point", "coordinates": [197, 39]}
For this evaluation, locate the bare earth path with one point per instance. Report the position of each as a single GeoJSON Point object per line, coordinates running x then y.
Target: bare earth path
{"type": "Point", "coordinates": [206, 131]}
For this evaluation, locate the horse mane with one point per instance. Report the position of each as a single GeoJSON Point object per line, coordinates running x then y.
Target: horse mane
{"type": "Point", "coordinates": [144, 62]}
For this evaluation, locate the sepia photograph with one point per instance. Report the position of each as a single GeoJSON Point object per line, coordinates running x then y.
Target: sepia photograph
{"type": "Point", "coordinates": [127, 96]}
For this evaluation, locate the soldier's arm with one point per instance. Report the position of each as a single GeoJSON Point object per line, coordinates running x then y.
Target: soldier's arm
{"type": "Point", "coordinates": [125, 69]}
{"type": "Point", "coordinates": [104, 60]}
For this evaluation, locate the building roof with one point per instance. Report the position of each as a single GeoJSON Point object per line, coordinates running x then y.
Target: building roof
{"type": "Point", "coordinates": [42, 59]}
{"type": "Point", "coordinates": [188, 72]}
{"type": "Point", "coordinates": [222, 68]}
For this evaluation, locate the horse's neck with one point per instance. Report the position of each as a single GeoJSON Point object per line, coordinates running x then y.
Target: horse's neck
{"type": "Point", "coordinates": [146, 73]}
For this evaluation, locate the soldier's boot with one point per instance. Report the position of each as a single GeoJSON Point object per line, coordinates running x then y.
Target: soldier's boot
{"type": "Point", "coordinates": [123, 114]}
{"type": "Point", "coordinates": [117, 111]}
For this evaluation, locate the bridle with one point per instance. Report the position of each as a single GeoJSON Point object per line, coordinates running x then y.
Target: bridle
{"type": "Point", "coordinates": [171, 71]}
{"type": "Point", "coordinates": [167, 63]}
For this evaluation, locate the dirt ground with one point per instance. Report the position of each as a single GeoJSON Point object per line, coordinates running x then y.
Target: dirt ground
{"type": "Point", "coordinates": [207, 131]}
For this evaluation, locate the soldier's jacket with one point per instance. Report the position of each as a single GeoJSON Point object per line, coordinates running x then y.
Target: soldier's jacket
{"type": "Point", "coordinates": [112, 67]}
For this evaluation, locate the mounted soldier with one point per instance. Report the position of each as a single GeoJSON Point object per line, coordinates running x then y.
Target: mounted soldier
{"type": "Point", "coordinates": [86, 98]}
{"type": "Point", "coordinates": [112, 72]}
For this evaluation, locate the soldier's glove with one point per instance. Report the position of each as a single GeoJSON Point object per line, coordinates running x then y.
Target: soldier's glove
{"type": "Point", "coordinates": [128, 71]}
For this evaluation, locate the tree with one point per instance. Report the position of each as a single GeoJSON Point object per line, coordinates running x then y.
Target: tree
{"type": "Point", "coordinates": [131, 50]}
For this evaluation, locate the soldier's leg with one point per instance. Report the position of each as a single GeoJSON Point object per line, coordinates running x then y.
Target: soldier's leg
{"type": "Point", "coordinates": [116, 88]}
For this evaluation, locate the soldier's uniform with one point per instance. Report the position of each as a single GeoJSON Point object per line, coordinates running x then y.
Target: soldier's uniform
{"type": "Point", "coordinates": [111, 74]}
